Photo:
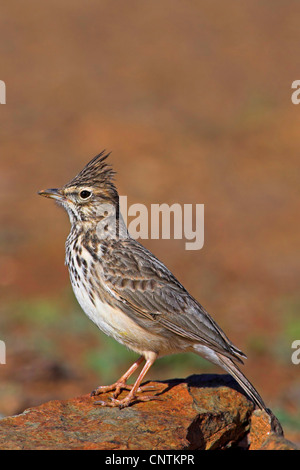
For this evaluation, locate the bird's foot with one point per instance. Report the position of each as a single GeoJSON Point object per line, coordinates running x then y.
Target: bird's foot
{"type": "Point", "coordinates": [118, 387]}
{"type": "Point", "coordinates": [130, 399]}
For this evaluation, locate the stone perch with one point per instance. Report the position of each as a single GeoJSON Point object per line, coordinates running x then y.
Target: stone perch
{"type": "Point", "coordinates": [199, 412]}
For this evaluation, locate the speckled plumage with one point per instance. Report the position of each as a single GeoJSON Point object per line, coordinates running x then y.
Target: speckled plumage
{"type": "Point", "coordinates": [127, 291]}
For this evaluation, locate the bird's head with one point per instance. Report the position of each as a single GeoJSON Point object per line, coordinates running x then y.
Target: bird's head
{"type": "Point", "coordinates": [91, 195]}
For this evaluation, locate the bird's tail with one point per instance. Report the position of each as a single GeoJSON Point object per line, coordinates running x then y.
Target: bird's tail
{"type": "Point", "coordinates": [228, 364]}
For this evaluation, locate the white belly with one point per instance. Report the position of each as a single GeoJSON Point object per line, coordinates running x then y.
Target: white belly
{"type": "Point", "coordinates": [105, 316]}
{"type": "Point", "coordinates": [112, 321]}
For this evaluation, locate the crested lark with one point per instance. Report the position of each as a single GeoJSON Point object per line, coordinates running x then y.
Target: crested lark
{"type": "Point", "coordinates": [128, 292]}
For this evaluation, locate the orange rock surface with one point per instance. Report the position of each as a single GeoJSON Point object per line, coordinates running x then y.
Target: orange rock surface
{"type": "Point", "coordinates": [200, 412]}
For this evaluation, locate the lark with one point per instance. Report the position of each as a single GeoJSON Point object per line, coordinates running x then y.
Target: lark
{"type": "Point", "coordinates": [131, 295]}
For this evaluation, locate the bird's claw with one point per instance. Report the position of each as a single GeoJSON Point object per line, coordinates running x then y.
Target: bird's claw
{"type": "Point", "coordinates": [127, 401]}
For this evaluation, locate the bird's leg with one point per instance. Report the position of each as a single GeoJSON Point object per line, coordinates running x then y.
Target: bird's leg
{"type": "Point", "coordinates": [121, 383]}
{"type": "Point", "coordinates": [132, 395]}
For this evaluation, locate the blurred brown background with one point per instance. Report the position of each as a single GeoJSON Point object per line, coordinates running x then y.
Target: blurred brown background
{"type": "Point", "coordinates": [194, 101]}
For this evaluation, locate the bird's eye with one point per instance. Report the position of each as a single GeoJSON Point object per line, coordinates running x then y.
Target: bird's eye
{"type": "Point", "coordinates": [85, 194]}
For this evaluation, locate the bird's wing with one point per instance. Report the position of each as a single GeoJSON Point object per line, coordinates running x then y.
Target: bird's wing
{"type": "Point", "coordinates": [143, 285]}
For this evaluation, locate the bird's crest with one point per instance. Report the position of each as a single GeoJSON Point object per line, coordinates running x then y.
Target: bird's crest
{"type": "Point", "coordinates": [97, 174]}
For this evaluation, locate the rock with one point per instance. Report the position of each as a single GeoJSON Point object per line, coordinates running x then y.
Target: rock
{"type": "Point", "coordinates": [200, 412]}
{"type": "Point", "coordinates": [262, 437]}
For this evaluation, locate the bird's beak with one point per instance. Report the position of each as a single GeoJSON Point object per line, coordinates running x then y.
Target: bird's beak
{"type": "Point", "coordinates": [52, 193]}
